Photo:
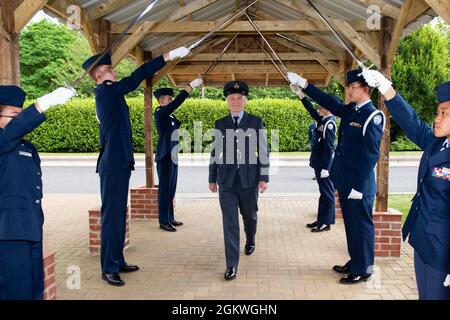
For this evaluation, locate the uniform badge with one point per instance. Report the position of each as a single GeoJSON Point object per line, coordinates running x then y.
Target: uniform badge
{"type": "Point", "coordinates": [25, 154]}
{"type": "Point", "coordinates": [441, 173]}
{"type": "Point", "coordinates": [173, 123]}
{"type": "Point", "coordinates": [236, 86]}
{"type": "Point", "coordinates": [355, 124]}
{"type": "Point", "coordinates": [330, 126]}
{"type": "Point", "coordinates": [377, 120]}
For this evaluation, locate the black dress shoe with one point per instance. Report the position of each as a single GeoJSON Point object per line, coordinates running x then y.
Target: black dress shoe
{"type": "Point", "coordinates": [230, 274]}
{"type": "Point", "coordinates": [176, 223]}
{"type": "Point", "coordinates": [312, 225]}
{"type": "Point", "coordinates": [167, 227]}
{"type": "Point", "coordinates": [113, 279]}
{"type": "Point", "coordinates": [127, 268]}
{"type": "Point", "coordinates": [323, 227]}
{"type": "Point", "coordinates": [353, 279]}
{"type": "Point", "coordinates": [342, 269]}
{"type": "Point", "coordinates": [249, 249]}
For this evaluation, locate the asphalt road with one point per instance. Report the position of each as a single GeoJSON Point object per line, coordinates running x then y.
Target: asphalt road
{"type": "Point", "coordinates": [194, 180]}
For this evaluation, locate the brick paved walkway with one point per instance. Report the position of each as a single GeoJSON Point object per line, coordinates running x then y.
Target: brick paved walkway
{"type": "Point", "coordinates": [289, 262]}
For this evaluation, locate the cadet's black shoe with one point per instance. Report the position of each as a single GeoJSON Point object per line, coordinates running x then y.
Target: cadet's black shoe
{"type": "Point", "coordinates": [249, 249]}
{"type": "Point", "coordinates": [113, 279]}
{"type": "Point", "coordinates": [353, 279]}
{"type": "Point", "coordinates": [323, 227]}
{"type": "Point", "coordinates": [127, 268]}
{"type": "Point", "coordinates": [312, 225]}
{"type": "Point", "coordinates": [176, 223]}
{"type": "Point", "coordinates": [230, 274]}
{"type": "Point", "coordinates": [342, 269]}
{"type": "Point", "coordinates": [167, 227]}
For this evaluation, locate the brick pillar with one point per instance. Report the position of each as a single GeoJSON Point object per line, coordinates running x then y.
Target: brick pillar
{"type": "Point", "coordinates": [144, 203]}
{"type": "Point", "coordinates": [49, 276]}
{"type": "Point", "coordinates": [95, 218]}
{"type": "Point", "coordinates": [338, 207]}
{"type": "Point", "coordinates": [388, 233]}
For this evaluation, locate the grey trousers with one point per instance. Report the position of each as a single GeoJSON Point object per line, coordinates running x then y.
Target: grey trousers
{"type": "Point", "coordinates": [232, 200]}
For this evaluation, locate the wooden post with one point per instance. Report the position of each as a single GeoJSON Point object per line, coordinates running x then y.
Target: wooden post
{"type": "Point", "coordinates": [148, 118]}
{"type": "Point", "coordinates": [9, 44]}
{"type": "Point", "coordinates": [383, 164]}
{"type": "Point", "coordinates": [104, 34]}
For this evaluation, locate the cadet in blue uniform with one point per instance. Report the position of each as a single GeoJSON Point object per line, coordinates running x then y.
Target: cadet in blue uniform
{"type": "Point", "coordinates": [322, 150]}
{"type": "Point", "coordinates": [428, 222]}
{"type": "Point", "coordinates": [116, 160]}
{"type": "Point", "coordinates": [21, 216]}
{"type": "Point", "coordinates": [167, 167]}
{"type": "Point", "coordinates": [352, 172]}
{"type": "Point", "coordinates": [240, 166]}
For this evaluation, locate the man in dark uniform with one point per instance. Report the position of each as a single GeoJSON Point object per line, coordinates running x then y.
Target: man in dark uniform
{"type": "Point", "coordinates": [352, 172]}
{"type": "Point", "coordinates": [21, 216]}
{"type": "Point", "coordinates": [428, 222]}
{"type": "Point", "coordinates": [321, 159]}
{"type": "Point", "coordinates": [166, 152]}
{"type": "Point", "coordinates": [116, 160]}
{"type": "Point", "coordinates": [240, 166]}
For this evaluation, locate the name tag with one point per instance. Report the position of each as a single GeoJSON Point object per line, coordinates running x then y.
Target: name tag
{"type": "Point", "coordinates": [25, 154]}
{"type": "Point", "coordinates": [441, 173]}
{"type": "Point", "coordinates": [355, 124]}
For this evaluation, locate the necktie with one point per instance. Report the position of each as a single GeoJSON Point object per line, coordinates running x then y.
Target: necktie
{"type": "Point", "coordinates": [236, 122]}
{"type": "Point", "coordinates": [445, 145]}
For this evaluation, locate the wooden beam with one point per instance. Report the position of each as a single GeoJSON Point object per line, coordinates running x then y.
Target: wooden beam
{"type": "Point", "coordinates": [247, 68]}
{"type": "Point", "coordinates": [359, 41]}
{"type": "Point", "coordinates": [441, 7]}
{"type": "Point", "coordinates": [9, 44]}
{"type": "Point", "coordinates": [418, 8]}
{"type": "Point", "coordinates": [107, 7]}
{"type": "Point", "coordinates": [89, 32]}
{"type": "Point", "coordinates": [146, 27]}
{"type": "Point", "coordinates": [271, 26]}
{"type": "Point", "coordinates": [25, 11]}
{"type": "Point", "coordinates": [330, 66]}
{"type": "Point", "coordinates": [398, 31]}
{"type": "Point", "coordinates": [138, 54]}
{"type": "Point", "coordinates": [148, 128]}
{"type": "Point", "coordinates": [383, 162]}
{"type": "Point", "coordinates": [386, 8]}
{"type": "Point", "coordinates": [263, 57]}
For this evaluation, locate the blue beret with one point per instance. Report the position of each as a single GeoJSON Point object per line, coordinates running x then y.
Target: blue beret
{"type": "Point", "coordinates": [443, 92]}
{"type": "Point", "coordinates": [355, 75]}
{"type": "Point", "coordinates": [12, 96]}
{"type": "Point", "coordinates": [235, 87]}
{"type": "Point", "coordinates": [106, 59]}
{"type": "Point", "coordinates": [163, 92]}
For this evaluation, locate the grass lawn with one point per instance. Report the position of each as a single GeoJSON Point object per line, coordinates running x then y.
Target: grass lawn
{"type": "Point", "coordinates": [401, 202]}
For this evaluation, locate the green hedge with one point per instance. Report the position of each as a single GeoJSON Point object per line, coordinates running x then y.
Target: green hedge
{"type": "Point", "coordinates": [74, 128]}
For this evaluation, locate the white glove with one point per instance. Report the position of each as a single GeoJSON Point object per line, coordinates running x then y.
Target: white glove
{"type": "Point", "coordinates": [179, 53]}
{"type": "Point", "coordinates": [377, 79]}
{"type": "Point", "coordinates": [324, 174]}
{"type": "Point", "coordinates": [295, 79]}
{"type": "Point", "coordinates": [57, 97]}
{"type": "Point", "coordinates": [447, 281]}
{"type": "Point", "coordinates": [298, 91]}
{"type": "Point", "coordinates": [196, 83]}
{"type": "Point", "coordinates": [355, 195]}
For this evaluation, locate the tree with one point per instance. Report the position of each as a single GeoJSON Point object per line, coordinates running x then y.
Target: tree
{"type": "Point", "coordinates": [421, 64]}
{"type": "Point", "coordinates": [51, 56]}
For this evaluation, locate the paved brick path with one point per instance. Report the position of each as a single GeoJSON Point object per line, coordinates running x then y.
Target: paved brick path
{"type": "Point", "coordinates": [289, 262]}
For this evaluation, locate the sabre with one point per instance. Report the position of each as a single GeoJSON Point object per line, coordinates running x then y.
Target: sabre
{"type": "Point", "coordinates": [197, 43]}
{"type": "Point", "coordinates": [214, 63]}
{"type": "Point", "coordinates": [115, 43]}
{"type": "Point", "coordinates": [265, 40]}
{"type": "Point", "coordinates": [344, 44]}
{"type": "Point", "coordinates": [274, 63]}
